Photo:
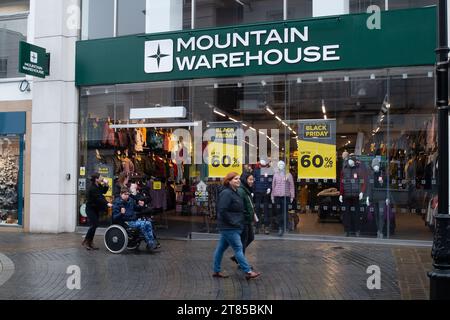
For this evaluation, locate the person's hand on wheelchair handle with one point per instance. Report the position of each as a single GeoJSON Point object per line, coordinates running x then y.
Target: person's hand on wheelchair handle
{"type": "Point", "coordinates": [122, 210]}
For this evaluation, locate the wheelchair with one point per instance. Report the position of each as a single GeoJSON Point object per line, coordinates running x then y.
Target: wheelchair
{"type": "Point", "coordinates": [119, 238]}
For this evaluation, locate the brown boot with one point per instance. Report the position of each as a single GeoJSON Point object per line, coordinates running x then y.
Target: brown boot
{"type": "Point", "coordinates": [85, 244]}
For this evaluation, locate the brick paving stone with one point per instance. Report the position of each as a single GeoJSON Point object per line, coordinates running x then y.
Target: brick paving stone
{"type": "Point", "coordinates": [182, 270]}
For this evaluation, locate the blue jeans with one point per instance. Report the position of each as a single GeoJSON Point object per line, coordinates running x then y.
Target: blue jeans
{"type": "Point", "coordinates": [145, 227]}
{"type": "Point", "coordinates": [230, 238]}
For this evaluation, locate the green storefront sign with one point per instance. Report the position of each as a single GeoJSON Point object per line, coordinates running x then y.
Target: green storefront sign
{"type": "Point", "coordinates": [33, 60]}
{"type": "Point", "coordinates": [406, 38]}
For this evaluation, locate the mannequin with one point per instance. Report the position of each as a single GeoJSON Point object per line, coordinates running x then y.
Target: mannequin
{"type": "Point", "coordinates": [377, 196]}
{"type": "Point", "coordinates": [263, 187]}
{"type": "Point", "coordinates": [283, 194]}
{"type": "Point", "coordinates": [352, 189]}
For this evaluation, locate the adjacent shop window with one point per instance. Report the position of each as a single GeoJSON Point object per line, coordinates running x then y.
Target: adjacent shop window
{"type": "Point", "coordinates": [10, 184]}
{"type": "Point", "coordinates": [131, 17]}
{"type": "Point", "coordinates": [217, 13]}
{"type": "Point", "coordinates": [98, 19]}
{"type": "Point", "coordinates": [298, 9]}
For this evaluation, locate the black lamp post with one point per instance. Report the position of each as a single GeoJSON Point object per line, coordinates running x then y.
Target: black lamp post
{"type": "Point", "coordinates": [440, 276]}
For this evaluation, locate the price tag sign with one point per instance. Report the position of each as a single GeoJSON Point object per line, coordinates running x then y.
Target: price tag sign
{"type": "Point", "coordinates": [156, 185]}
{"type": "Point", "coordinates": [224, 158]}
{"type": "Point", "coordinates": [317, 149]}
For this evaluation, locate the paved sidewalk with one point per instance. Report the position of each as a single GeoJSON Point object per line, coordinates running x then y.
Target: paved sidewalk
{"type": "Point", "coordinates": [182, 270]}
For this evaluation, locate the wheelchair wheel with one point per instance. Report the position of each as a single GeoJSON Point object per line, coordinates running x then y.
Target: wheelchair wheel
{"type": "Point", "coordinates": [116, 239]}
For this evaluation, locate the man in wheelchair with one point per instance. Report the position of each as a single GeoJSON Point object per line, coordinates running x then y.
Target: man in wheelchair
{"type": "Point", "coordinates": [124, 213]}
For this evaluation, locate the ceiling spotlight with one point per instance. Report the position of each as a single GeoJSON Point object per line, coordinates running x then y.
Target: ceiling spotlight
{"type": "Point", "coordinates": [299, 80]}
{"type": "Point", "coordinates": [346, 78]}
{"type": "Point", "coordinates": [269, 110]}
{"type": "Point", "coordinates": [430, 74]}
{"type": "Point", "coordinates": [88, 93]}
{"type": "Point", "coordinates": [388, 105]}
{"type": "Point", "coordinates": [405, 76]}
{"type": "Point", "coordinates": [216, 85]}
{"type": "Point", "coordinates": [263, 83]}
{"type": "Point", "coordinates": [372, 76]}
{"type": "Point", "coordinates": [219, 113]}
{"type": "Point", "coordinates": [239, 85]}
{"type": "Point", "coordinates": [320, 79]}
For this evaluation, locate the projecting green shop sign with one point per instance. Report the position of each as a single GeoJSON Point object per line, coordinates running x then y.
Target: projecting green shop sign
{"type": "Point", "coordinates": [406, 38]}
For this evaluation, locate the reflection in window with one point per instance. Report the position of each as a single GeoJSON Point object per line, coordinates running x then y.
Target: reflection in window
{"type": "Point", "coordinates": [13, 29]}
{"type": "Point", "coordinates": [100, 18]}
{"type": "Point", "coordinates": [131, 17]}
{"type": "Point", "coordinates": [298, 9]}
{"type": "Point", "coordinates": [216, 13]}
{"type": "Point", "coordinates": [357, 6]}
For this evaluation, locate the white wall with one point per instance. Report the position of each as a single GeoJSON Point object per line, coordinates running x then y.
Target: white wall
{"type": "Point", "coordinates": [330, 8]}
{"type": "Point", "coordinates": [164, 15]}
{"type": "Point", "coordinates": [54, 142]}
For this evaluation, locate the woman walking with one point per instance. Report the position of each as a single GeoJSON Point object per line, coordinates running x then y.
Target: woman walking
{"type": "Point", "coordinates": [95, 204]}
{"type": "Point", "coordinates": [230, 217]}
{"type": "Point", "coordinates": [245, 192]}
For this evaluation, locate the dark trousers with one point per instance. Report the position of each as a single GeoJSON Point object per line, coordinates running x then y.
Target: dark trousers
{"type": "Point", "coordinates": [93, 221]}
{"type": "Point", "coordinates": [352, 214]}
{"type": "Point", "coordinates": [247, 236]}
{"type": "Point", "coordinates": [281, 207]}
{"type": "Point", "coordinates": [262, 201]}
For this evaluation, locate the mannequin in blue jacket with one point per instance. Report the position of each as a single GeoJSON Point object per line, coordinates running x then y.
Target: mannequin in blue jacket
{"type": "Point", "coordinates": [124, 213]}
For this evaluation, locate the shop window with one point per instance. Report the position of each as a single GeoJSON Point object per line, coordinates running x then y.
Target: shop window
{"type": "Point", "coordinates": [217, 13]}
{"type": "Point", "coordinates": [10, 180]}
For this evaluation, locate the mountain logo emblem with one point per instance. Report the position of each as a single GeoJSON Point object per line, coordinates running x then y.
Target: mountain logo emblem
{"type": "Point", "coordinates": [158, 56]}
